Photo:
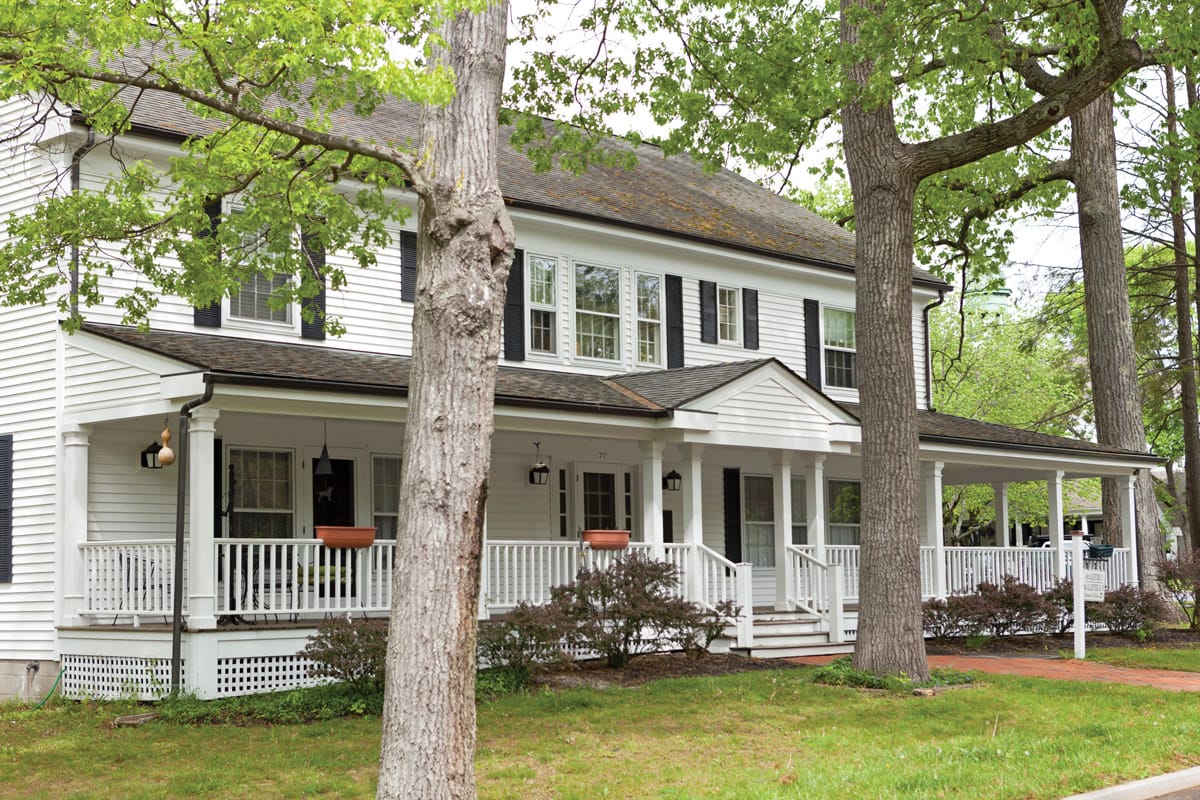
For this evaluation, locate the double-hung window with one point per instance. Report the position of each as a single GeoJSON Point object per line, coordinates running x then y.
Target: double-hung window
{"type": "Point", "coordinates": [385, 495]}
{"type": "Point", "coordinates": [844, 504]}
{"type": "Point", "coordinates": [728, 315]}
{"type": "Point", "coordinates": [263, 506]}
{"type": "Point", "coordinates": [253, 300]}
{"type": "Point", "coordinates": [649, 318]}
{"type": "Point", "coordinates": [597, 312]}
{"type": "Point", "coordinates": [543, 304]}
{"type": "Point", "coordinates": [841, 360]}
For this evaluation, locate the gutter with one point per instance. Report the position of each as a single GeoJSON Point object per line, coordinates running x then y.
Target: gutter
{"type": "Point", "coordinates": [929, 348]}
{"type": "Point", "coordinates": [76, 158]}
{"type": "Point", "coordinates": [185, 413]}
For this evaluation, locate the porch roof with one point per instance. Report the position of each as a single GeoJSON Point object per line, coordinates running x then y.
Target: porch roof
{"type": "Point", "coordinates": [658, 393]}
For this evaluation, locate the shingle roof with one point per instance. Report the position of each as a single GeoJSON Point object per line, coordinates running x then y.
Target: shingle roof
{"type": "Point", "coordinates": [655, 393]}
{"type": "Point", "coordinates": [673, 195]}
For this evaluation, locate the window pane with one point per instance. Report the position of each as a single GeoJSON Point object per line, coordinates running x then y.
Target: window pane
{"type": "Point", "coordinates": [262, 494]}
{"type": "Point", "coordinates": [839, 328]}
{"type": "Point", "coordinates": [597, 289]}
{"type": "Point", "coordinates": [648, 296]}
{"type": "Point", "coordinates": [595, 336]}
{"type": "Point", "coordinates": [727, 314]}
{"type": "Point", "coordinates": [385, 495]}
{"type": "Point", "coordinates": [599, 501]}
{"type": "Point", "coordinates": [541, 281]}
{"type": "Point", "coordinates": [841, 369]}
{"type": "Point", "coordinates": [648, 336]}
{"type": "Point", "coordinates": [541, 331]}
{"type": "Point", "coordinates": [844, 498]}
{"type": "Point", "coordinates": [253, 301]}
{"type": "Point", "coordinates": [758, 499]}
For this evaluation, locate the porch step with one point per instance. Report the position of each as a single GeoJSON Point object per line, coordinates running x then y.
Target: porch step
{"type": "Point", "coordinates": [786, 634]}
{"type": "Point", "coordinates": [816, 649]}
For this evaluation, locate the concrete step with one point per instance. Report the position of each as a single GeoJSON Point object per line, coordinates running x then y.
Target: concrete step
{"type": "Point", "coordinates": [817, 649]}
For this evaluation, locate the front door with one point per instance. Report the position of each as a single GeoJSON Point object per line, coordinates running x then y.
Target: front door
{"type": "Point", "coordinates": [333, 495]}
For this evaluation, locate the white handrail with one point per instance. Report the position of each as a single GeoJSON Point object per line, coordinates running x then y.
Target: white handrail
{"type": "Point", "coordinates": [129, 578]}
{"type": "Point", "coordinates": [723, 580]}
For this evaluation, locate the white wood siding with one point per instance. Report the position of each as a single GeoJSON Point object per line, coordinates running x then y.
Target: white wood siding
{"type": "Point", "coordinates": [96, 381]}
{"type": "Point", "coordinates": [126, 501]}
{"type": "Point", "coordinates": [770, 409]}
{"type": "Point", "coordinates": [29, 384]}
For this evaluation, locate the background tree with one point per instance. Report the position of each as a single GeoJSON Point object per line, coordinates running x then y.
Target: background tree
{"type": "Point", "coordinates": [910, 85]}
{"type": "Point", "coordinates": [269, 81]}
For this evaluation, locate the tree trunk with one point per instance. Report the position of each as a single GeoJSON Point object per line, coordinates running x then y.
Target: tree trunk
{"type": "Point", "coordinates": [1185, 364]}
{"type": "Point", "coordinates": [1111, 356]}
{"type": "Point", "coordinates": [890, 636]}
{"type": "Point", "coordinates": [466, 246]}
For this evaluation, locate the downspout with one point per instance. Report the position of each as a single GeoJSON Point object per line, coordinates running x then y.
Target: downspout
{"type": "Point", "coordinates": [185, 414]}
{"type": "Point", "coordinates": [76, 158]}
{"type": "Point", "coordinates": [928, 348]}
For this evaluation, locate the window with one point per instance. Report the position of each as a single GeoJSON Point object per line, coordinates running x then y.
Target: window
{"type": "Point", "coordinates": [599, 501]}
{"type": "Point", "coordinates": [262, 494]}
{"type": "Point", "coordinates": [649, 318]}
{"type": "Point", "coordinates": [799, 512]}
{"type": "Point", "coordinates": [841, 361]}
{"type": "Point", "coordinates": [385, 495]}
{"type": "Point", "coordinates": [844, 512]}
{"type": "Point", "coordinates": [543, 302]}
{"type": "Point", "coordinates": [253, 301]}
{"type": "Point", "coordinates": [597, 312]}
{"type": "Point", "coordinates": [758, 520]}
{"type": "Point", "coordinates": [727, 315]}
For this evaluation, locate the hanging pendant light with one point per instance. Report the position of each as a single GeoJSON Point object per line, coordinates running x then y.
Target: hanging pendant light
{"type": "Point", "coordinates": [324, 466]}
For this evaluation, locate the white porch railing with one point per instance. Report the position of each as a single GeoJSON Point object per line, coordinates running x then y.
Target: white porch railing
{"type": "Point", "coordinates": [818, 588]}
{"type": "Point", "coordinates": [129, 578]}
{"type": "Point", "coordinates": [297, 576]}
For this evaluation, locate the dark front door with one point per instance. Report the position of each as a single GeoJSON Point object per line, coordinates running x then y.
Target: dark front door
{"type": "Point", "coordinates": [333, 495]}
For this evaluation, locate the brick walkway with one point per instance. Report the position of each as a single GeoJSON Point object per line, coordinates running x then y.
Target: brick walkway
{"type": "Point", "coordinates": [1056, 668]}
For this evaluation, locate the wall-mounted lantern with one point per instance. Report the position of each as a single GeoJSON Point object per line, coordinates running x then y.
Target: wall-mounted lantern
{"type": "Point", "coordinates": [672, 481]}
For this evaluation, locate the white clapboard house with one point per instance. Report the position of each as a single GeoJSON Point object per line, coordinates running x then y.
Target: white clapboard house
{"type": "Point", "coordinates": [678, 361]}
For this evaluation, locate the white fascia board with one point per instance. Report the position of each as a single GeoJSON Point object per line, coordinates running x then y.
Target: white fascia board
{"type": "Point", "coordinates": [111, 412]}
{"type": "Point", "coordinates": [762, 441]}
{"type": "Point", "coordinates": [1036, 463]}
{"type": "Point", "coordinates": [182, 386]}
{"type": "Point", "coordinates": [284, 401]}
{"type": "Point", "coordinates": [849, 433]}
{"type": "Point", "coordinates": [693, 420]}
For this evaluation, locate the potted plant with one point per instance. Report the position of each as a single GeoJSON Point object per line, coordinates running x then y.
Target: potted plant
{"type": "Point", "coordinates": [345, 535]}
{"type": "Point", "coordinates": [601, 539]}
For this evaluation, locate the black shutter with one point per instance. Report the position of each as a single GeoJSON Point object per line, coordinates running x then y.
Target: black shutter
{"type": "Point", "coordinates": [6, 508]}
{"type": "Point", "coordinates": [514, 310]}
{"type": "Point", "coordinates": [218, 487]}
{"type": "Point", "coordinates": [750, 319]}
{"type": "Point", "coordinates": [408, 266]}
{"type": "Point", "coordinates": [812, 342]}
{"type": "Point", "coordinates": [209, 316]}
{"type": "Point", "coordinates": [314, 258]}
{"type": "Point", "coordinates": [733, 514]}
{"type": "Point", "coordinates": [674, 287]}
{"type": "Point", "coordinates": [708, 312]}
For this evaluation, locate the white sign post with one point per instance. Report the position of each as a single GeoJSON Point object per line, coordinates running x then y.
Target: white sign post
{"type": "Point", "coordinates": [1077, 583]}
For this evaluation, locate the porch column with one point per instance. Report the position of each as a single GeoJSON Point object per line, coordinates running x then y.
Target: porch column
{"type": "Point", "coordinates": [781, 476]}
{"type": "Point", "coordinates": [1129, 524]}
{"type": "Point", "coordinates": [652, 505]}
{"type": "Point", "coordinates": [74, 521]}
{"type": "Point", "coordinates": [1054, 523]}
{"type": "Point", "coordinates": [1000, 493]}
{"type": "Point", "coordinates": [693, 518]}
{"type": "Point", "coordinates": [202, 575]}
{"type": "Point", "coordinates": [931, 485]}
{"type": "Point", "coordinates": [814, 501]}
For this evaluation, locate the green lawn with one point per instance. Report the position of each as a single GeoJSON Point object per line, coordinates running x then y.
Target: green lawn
{"type": "Point", "coordinates": [755, 735]}
{"type": "Point", "coordinates": [1185, 659]}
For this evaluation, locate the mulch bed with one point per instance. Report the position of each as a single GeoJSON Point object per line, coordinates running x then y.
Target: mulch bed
{"type": "Point", "coordinates": [642, 669]}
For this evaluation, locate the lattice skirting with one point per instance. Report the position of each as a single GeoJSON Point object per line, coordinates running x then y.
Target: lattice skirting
{"type": "Point", "coordinates": [255, 675]}
{"type": "Point", "coordinates": [115, 677]}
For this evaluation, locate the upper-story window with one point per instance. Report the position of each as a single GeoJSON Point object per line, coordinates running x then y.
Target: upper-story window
{"type": "Point", "coordinates": [253, 301]}
{"type": "Point", "coordinates": [841, 358]}
{"type": "Point", "coordinates": [597, 312]}
{"type": "Point", "coordinates": [543, 304]}
{"type": "Point", "coordinates": [649, 318]}
{"type": "Point", "coordinates": [728, 315]}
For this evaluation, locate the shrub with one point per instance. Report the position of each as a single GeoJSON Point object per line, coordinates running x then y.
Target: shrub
{"type": "Point", "coordinates": [522, 639]}
{"type": "Point", "coordinates": [1061, 600]}
{"type": "Point", "coordinates": [1129, 611]}
{"type": "Point", "coordinates": [1013, 607]}
{"type": "Point", "coordinates": [1180, 578]}
{"type": "Point", "coordinates": [499, 681]}
{"type": "Point", "coordinates": [354, 651]}
{"type": "Point", "coordinates": [631, 608]}
{"type": "Point", "coordinates": [957, 616]}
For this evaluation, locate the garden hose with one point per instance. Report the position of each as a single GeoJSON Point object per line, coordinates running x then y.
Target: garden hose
{"type": "Point", "coordinates": [52, 688]}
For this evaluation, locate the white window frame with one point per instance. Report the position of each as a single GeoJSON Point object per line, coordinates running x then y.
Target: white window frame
{"type": "Point", "coordinates": [376, 513]}
{"type": "Point", "coordinates": [576, 312]}
{"type": "Point", "coordinates": [532, 306]}
{"type": "Point", "coordinates": [826, 348]}
{"type": "Point", "coordinates": [241, 478]}
{"type": "Point", "coordinates": [735, 320]}
{"type": "Point", "coordinates": [639, 320]}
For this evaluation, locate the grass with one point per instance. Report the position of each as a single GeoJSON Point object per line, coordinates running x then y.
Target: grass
{"type": "Point", "coordinates": [1177, 658]}
{"type": "Point", "coordinates": [768, 734]}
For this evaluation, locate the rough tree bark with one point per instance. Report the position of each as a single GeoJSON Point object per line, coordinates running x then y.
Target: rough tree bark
{"type": "Point", "coordinates": [1112, 359]}
{"type": "Point", "coordinates": [884, 174]}
{"type": "Point", "coordinates": [466, 248]}
{"type": "Point", "coordinates": [1185, 364]}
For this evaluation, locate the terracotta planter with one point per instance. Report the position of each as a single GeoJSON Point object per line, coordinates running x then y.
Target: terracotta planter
{"type": "Point", "coordinates": [607, 540]}
{"type": "Point", "coordinates": [345, 536]}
